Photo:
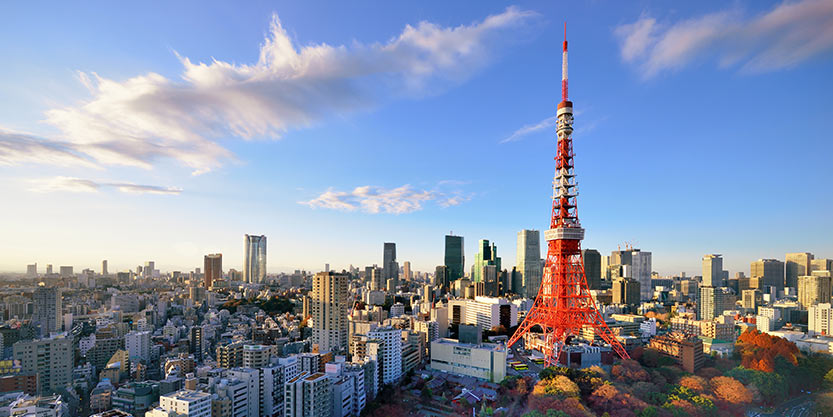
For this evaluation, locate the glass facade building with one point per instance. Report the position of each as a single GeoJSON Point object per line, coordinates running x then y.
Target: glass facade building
{"type": "Point", "coordinates": [254, 262]}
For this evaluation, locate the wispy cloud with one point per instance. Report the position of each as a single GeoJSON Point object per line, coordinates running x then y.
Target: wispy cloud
{"type": "Point", "coordinates": [782, 37]}
{"type": "Point", "coordinates": [583, 126]}
{"type": "Point", "coordinates": [371, 199]}
{"type": "Point", "coordinates": [526, 130]}
{"type": "Point", "coordinates": [80, 185]}
{"type": "Point", "coordinates": [148, 117]}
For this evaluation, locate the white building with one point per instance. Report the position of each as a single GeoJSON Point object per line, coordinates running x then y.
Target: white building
{"type": "Point", "coordinates": [308, 395]}
{"type": "Point", "coordinates": [187, 403]}
{"type": "Point", "coordinates": [250, 377]}
{"type": "Point", "coordinates": [819, 319]}
{"type": "Point", "coordinates": [138, 345]}
{"type": "Point", "coordinates": [397, 310]}
{"type": "Point", "coordinates": [486, 361]}
{"type": "Point", "coordinates": [387, 353]}
{"type": "Point", "coordinates": [237, 392]}
{"type": "Point", "coordinates": [485, 312]}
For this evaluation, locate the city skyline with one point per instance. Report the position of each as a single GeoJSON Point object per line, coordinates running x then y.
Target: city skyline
{"type": "Point", "coordinates": [686, 187]}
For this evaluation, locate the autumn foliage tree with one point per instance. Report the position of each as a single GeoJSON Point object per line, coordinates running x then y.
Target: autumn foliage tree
{"type": "Point", "coordinates": [759, 350]}
{"type": "Point", "coordinates": [730, 390]}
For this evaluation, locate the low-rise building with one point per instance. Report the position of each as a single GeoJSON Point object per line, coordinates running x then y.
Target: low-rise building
{"type": "Point", "coordinates": [485, 361]}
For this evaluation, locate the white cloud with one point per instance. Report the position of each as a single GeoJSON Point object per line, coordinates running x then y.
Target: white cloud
{"type": "Point", "coordinates": [148, 117]}
{"type": "Point", "coordinates": [376, 200]}
{"type": "Point", "coordinates": [80, 185]}
{"type": "Point", "coordinates": [782, 37]}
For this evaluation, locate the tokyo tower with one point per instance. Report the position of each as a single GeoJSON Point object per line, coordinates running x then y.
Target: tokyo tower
{"type": "Point", "coordinates": [563, 305]}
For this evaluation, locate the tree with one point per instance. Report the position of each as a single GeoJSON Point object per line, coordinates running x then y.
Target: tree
{"type": "Point", "coordinates": [730, 390]}
{"type": "Point", "coordinates": [426, 394]}
{"type": "Point", "coordinates": [694, 383]}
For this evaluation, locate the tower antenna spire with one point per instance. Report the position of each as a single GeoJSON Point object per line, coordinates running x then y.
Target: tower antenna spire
{"type": "Point", "coordinates": [564, 66]}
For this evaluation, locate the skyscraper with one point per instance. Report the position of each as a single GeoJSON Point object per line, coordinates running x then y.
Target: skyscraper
{"type": "Point", "coordinates": [32, 270]}
{"type": "Point", "coordinates": [213, 265]}
{"type": "Point", "coordinates": [48, 309]}
{"type": "Point", "coordinates": [330, 301]}
{"type": "Point", "coordinates": [767, 273]}
{"type": "Point", "coordinates": [528, 260]}
{"type": "Point", "coordinates": [712, 270]}
{"type": "Point", "coordinates": [406, 271]}
{"type": "Point", "coordinates": [104, 271]}
{"type": "Point", "coordinates": [148, 270]}
{"type": "Point", "coordinates": [797, 264]}
{"type": "Point", "coordinates": [641, 271]}
{"type": "Point", "coordinates": [592, 268]}
{"type": "Point", "coordinates": [389, 265]}
{"type": "Point", "coordinates": [454, 257]}
{"type": "Point", "coordinates": [441, 278]}
{"type": "Point", "coordinates": [254, 261]}
{"type": "Point", "coordinates": [486, 256]}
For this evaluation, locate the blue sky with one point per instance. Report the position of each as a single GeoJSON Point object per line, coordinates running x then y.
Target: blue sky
{"type": "Point", "coordinates": [168, 131]}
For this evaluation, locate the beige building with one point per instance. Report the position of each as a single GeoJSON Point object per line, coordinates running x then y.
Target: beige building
{"type": "Point", "coordinates": [814, 289]}
{"type": "Point", "coordinates": [819, 319]}
{"type": "Point", "coordinates": [50, 358]}
{"type": "Point", "coordinates": [796, 265]}
{"type": "Point", "coordinates": [330, 303]}
{"type": "Point", "coordinates": [485, 361]}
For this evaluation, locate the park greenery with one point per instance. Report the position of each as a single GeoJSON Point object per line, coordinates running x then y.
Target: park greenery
{"type": "Point", "coordinates": [764, 372]}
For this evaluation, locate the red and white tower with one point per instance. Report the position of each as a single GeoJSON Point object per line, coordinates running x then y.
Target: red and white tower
{"type": "Point", "coordinates": [564, 305]}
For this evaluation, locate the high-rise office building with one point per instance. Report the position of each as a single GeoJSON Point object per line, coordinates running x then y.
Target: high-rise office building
{"type": "Point", "coordinates": [712, 270]}
{"type": "Point", "coordinates": [766, 273]}
{"type": "Point", "coordinates": [441, 278]}
{"type": "Point", "coordinates": [330, 301]}
{"type": "Point", "coordinates": [486, 256]}
{"type": "Point", "coordinates": [149, 269]}
{"type": "Point", "coordinates": [821, 264]}
{"type": "Point", "coordinates": [626, 291]}
{"type": "Point", "coordinates": [213, 265]}
{"type": "Point", "coordinates": [389, 265]}
{"type": "Point", "coordinates": [32, 270]}
{"type": "Point", "coordinates": [377, 279]}
{"type": "Point", "coordinates": [48, 269]}
{"type": "Point", "coordinates": [528, 260]}
{"type": "Point", "coordinates": [104, 270]}
{"type": "Point", "coordinates": [814, 289]}
{"type": "Point", "coordinates": [65, 271]}
{"type": "Point", "coordinates": [254, 261]}
{"type": "Point", "coordinates": [48, 309]}
{"type": "Point", "coordinates": [592, 268]}
{"type": "Point", "coordinates": [454, 257]}
{"type": "Point", "coordinates": [51, 359]}
{"type": "Point", "coordinates": [641, 271]}
{"type": "Point", "coordinates": [406, 271]}
{"type": "Point", "coordinates": [796, 265]}
{"type": "Point", "coordinates": [713, 301]}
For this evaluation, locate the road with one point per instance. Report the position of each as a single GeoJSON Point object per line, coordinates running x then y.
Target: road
{"type": "Point", "coordinates": [797, 407]}
{"type": "Point", "coordinates": [534, 368]}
